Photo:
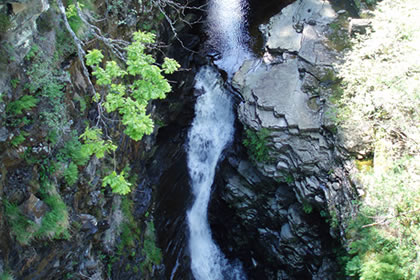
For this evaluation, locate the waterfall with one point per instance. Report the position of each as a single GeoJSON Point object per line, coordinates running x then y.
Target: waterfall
{"type": "Point", "coordinates": [212, 130]}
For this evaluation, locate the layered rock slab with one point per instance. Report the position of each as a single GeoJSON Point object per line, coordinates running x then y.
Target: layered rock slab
{"type": "Point", "coordinates": [284, 93]}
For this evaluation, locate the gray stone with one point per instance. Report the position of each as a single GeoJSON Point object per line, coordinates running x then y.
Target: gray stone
{"type": "Point", "coordinates": [286, 232]}
{"type": "Point", "coordinates": [4, 134]}
{"type": "Point", "coordinates": [313, 49]}
{"type": "Point", "coordinates": [24, 25]}
{"type": "Point", "coordinates": [276, 89]}
{"type": "Point", "coordinates": [89, 223]}
{"type": "Point", "coordinates": [358, 25]}
{"type": "Point", "coordinates": [283, 32]}
{"type": "Point", "coordinates": [282, 35]}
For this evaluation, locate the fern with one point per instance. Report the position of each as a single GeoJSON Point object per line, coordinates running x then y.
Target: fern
{"type": "Point", "coordinates": [71, 174]}
{"type": "Point", "coordinates": [26, 102]}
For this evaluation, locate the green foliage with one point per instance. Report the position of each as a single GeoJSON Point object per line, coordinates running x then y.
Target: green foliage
{"type": "Point", "coordinates": [383, 107]}
{"type": "Point", "coordinates": [73, 18]}
{"type": "Point", "coordinates": [117, 183]}
{"type": "Point", "coordinates": [46, 82]}
{"type": "Point", "coordinates": [152, 253]}
{"type": "Point", "coordinates": [20, 225]}
{"type": "Point", "coordinates": [338, 37]}
{"type": "Point", "coordinates": [256, 143]}
{"type": "Point", "coordinates": [130, 99]}
{"type": "Point", "coordinates": [130, 230]}
{"type": "Point", "coordinates": [32, 52]}
{"type": "Point", "coordinates": [4, 22]}
{"type": "Point", "coordinates": [307, 207]}
{"type": "Point", "coordinates": [14, 83]}
{"type": "Point", "coordinates": [19, 139]}
{"type": "Point", "coordinates": [93, 143]}
{"type": "Point", "coordinates": [71, 174]}
{"type": "Point", "coordinates": [6, 275]}
{"type": "Point", "coordinates": [74, 150]}
{"type": "Point", "coordinates": [82, 103]}
{"type": "Point", "coordinates": [386, 232]}
{"type": "Point", "coordinates": [26, 102]}
{"type": "Point", "coordinates": [55, 223]}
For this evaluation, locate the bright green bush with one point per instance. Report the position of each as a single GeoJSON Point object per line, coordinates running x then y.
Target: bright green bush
{"type": "Point", "coordinates": [73, 149]}
{"type": "Point", "coordinates": [54, 224]}
{"type": "Point", "coordinates": [129, 98]}
{"type": "Point", "coordinates": [94, 144]}
{"type": "Point", "coordinates": [117, 182]}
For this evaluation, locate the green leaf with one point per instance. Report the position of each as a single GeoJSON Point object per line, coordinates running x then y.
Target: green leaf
{"type": "Point", "coordinates": [170, 65]}
{"type": "Point", "coordinates": [117, 183]}
{"type": "Point", "coordinates": [94, 57]}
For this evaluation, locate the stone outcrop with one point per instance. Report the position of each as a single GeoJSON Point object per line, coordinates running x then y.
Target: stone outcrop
{"type": "Point", "coordinates": [283, 92]}
{"type": "Point", "coordinates": [292, 206]}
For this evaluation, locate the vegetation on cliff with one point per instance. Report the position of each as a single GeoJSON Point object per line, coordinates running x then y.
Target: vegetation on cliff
{"type": "Point", "coordinates": [61, 145]}
{"type": "Point", "coordinates": [380, 99]}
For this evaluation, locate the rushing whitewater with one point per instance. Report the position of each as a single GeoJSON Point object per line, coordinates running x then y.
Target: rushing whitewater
{"type": "Point", "coordinates": [212, 130]}
{"type": "Point", "coordinates": [227, 33]}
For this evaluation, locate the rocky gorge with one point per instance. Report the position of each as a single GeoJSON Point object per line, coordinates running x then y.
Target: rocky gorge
{"type": "Point", "coordinates": [281, 215]}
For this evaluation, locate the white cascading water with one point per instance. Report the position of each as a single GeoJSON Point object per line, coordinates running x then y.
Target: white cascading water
{"type": "Point", "coordinates": [212, 130]}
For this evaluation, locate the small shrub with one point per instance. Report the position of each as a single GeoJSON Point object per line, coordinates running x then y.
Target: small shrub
{"type": "Point", "coordinates": [129, 98]}
{"type": "Point", "coordinates": [75, 21]}
{"type": "Point", "coordinates": [32, 52]}
{"type": "Point", "coordinates": [94, 144]}
{"type": "Point", "coordinates": [74, 150]}
{"type": "Point", "coordinates": [256, 143]}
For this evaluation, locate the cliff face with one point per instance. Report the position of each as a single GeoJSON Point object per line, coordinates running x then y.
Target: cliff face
{"type": "Point", "coordinates": [289, 203]}
{"type": "Point", "coordinates": [56, 220]}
